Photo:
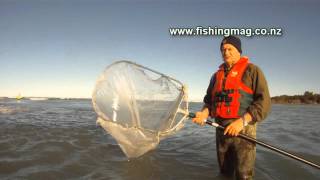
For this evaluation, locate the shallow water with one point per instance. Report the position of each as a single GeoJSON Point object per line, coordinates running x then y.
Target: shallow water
{"type": "Point", "coordinates": [58, 139]}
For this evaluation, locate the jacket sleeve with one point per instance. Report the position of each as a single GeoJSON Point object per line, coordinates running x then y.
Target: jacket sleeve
{"type": "Point", "coordinates": [208, 97]}
{"type": "Point", "coordinates": [261, 104]}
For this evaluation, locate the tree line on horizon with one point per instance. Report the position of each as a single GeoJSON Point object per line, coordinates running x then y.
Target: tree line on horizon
{"type": "Point", "coordinates": [307, 98]}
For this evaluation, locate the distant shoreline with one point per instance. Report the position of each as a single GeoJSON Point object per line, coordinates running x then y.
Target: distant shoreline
{"type": "Point", "coordinates": [308, 98]}
{"type": "Point", "coordinates": [287, 103]}
{"type": "Point", "coordinates": [43, 98]}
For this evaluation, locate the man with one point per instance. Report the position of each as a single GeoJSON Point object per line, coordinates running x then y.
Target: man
{"type": "Point", "coordinates": [238, 98]}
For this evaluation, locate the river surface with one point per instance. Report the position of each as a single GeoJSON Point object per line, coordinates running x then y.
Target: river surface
{"type": "Point", "coordinates": [59, 139]}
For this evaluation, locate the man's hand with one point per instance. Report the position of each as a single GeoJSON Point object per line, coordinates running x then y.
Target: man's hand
{"type": "Point", "coordinates": [201, 116]}
{"type": "Point", "coordinates": [234, 128]}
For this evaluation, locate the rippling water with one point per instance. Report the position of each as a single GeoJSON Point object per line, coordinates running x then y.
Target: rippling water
{"type": "Point", "coordinates": [58, 139]}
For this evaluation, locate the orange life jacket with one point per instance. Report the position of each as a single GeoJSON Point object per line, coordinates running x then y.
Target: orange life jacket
{"type": "Point", "coordinates": [230, 96]}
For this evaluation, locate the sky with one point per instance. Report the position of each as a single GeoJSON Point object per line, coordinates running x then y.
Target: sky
{"type": "Point", "coordinates": [59, 48]}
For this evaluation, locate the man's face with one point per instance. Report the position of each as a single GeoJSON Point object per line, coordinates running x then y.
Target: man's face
{"type": "Point", "coordinates": [230, 54]}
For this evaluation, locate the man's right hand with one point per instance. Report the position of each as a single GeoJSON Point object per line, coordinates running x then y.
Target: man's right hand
{"type": "Point", "coordinates": [201, 116]}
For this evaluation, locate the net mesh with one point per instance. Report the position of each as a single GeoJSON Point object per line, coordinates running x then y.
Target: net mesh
{"type": "Point", "coordinates": [138, 106]}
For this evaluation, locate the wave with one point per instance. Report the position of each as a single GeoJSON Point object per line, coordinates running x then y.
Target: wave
{"type": "Point", "coordinates": [10, 110]}
{"type": "Point", "coordinates": [38, 98]}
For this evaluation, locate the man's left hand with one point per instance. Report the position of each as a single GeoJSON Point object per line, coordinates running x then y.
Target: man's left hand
{"type": "Point", "coordinates": [234, 128]}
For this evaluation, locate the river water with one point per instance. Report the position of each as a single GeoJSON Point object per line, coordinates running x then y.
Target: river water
{"type": "Point", "coordinates": [58, 139]}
